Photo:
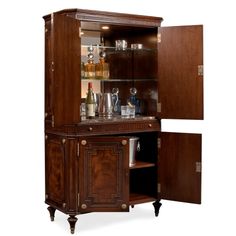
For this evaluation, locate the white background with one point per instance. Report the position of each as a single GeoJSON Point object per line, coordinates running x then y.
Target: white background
{"type": "Point", "coordinates": [22, 209]}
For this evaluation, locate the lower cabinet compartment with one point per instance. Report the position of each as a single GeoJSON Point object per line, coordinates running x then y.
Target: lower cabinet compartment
{"type": "Point", "coordinates": [143, 185]}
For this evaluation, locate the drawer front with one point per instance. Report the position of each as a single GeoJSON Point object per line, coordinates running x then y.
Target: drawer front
{"type": "Point", "coordinates": [116, 128]}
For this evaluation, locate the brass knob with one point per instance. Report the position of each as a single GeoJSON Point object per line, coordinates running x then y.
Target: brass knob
{"type": "Point", "coordinates": [123, 206]}
{"type": "Point", "coordinates": [124, 142]}
{"type": "Point", "coordinates": [150, 125]}
{"type": "Point", "coordinates": [83, 142]}
{"type": "Point", "coordinates": [83, 206]}
{"type": "Point", "coordinates": [90, 128]}
{"type": "Point", "coordinates": [64, 205]}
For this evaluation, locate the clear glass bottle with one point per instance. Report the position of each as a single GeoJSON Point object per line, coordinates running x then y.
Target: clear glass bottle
{"type": "Point", "coordinates": [90, 102]}
{"type": "Point", "coordinates": [102, 67]}
{"type": "Point", "coordinates": [89, 67]}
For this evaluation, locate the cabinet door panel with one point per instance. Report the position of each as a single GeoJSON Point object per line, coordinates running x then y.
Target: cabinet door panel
{"type": "Point", "coordinates": [55, 171]}
{"type": "Point", "coordinates": [179, 163]}
{"type": "Point", "coordinates": [180, 53]}
{"type": "Point", "coordinates": [66, 69]}
{"type": "Point", "coordinates": [104, 174]}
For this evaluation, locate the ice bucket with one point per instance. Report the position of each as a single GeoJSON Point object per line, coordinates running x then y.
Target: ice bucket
{"type": "Point", "coordinates": [134, 147]}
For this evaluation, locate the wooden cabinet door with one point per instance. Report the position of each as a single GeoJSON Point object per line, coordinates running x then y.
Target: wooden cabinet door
{"type": "Point", "coordinates": [66, 49]}
{"type": "Point", "coordinates": [180, 72]}
{"type": "Point", "coordinates": [103, 174]}
{"type": "Point", "coordinates": [55, 171]}
{"type": "Point", "coordinates": [179, 167]}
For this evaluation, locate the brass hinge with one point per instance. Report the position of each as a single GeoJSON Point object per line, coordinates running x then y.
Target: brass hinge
{"type": "Point", "coordinates": [159, 107]}
{"type": "Point", "coordinates": [52, 66]}
{"type": "Point", "coordinates": [158, 187]}
{"type": "Point", "coordinates": [200, 70]}
{"type": "Point", "coordinates": [77, 149]}
{"type": "Point", "coordinates": [53, 121]}
{"type": "Point", "coordinates": [78, 199]}
{"type": "Point", "coordinates": [198, 167]}
{"type": "Point", "coordinates": [80, 32]}
{"type": "Point", "coordinates": [159, 37]}
{"type": "Point", "coordinates": [158, 143]}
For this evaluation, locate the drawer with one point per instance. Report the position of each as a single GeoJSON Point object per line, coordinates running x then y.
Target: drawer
{"type": "Point", "coordinates": [118, 127]}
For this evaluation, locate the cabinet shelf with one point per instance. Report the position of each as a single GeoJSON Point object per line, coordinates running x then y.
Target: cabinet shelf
{"type": "Point", "coordinates": [137, 198]}
{"type": "Point", "coordinates": [142, 164]}
{"type": "Point", "coordinates": [120, 80]}
{"type": "Point", "coordinates": [113, 49]}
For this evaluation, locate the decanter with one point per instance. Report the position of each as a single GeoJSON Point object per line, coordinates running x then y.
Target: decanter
{"type": "Point", "coordinates": [102, 67]}
{"type": "Point", "coordinates": [89, 67]}
{"type": "Point", "coordinates": [133, 100]}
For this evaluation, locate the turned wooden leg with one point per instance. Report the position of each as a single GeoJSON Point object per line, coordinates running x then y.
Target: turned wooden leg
{"type": "Point", "coordinates": [157, 206]}
{"type": "Point", "coordinates": [51, 212]}
{"type": "Point", "coordinates": [72, 220]}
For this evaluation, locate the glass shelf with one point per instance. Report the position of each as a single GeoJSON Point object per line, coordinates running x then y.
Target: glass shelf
{"type": "Point", "coordinates": [118, 80]}
{"type": "Point", "coordinates": [113, 49]}
{"type": "Point", "coordinates": [117, 118]}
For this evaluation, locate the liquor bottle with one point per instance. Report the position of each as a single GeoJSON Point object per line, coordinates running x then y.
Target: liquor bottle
{"type": "Point", "coordinates": [102, 67]}
{"type": "Point", "coordinates": [89, 67]}
{"type": "Point", "coordinates": [90, 102]}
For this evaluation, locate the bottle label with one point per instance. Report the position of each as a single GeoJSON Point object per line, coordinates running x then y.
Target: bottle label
{"type": "Point", "coordinates": [90, 110]}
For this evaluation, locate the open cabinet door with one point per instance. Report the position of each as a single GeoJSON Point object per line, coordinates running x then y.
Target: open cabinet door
{"type": "Point", "coordinates": [180, 72]}
{"type": "Point", "coordinates": [66, 44]}
{"type": "Point", "coordinates": [179, 167]}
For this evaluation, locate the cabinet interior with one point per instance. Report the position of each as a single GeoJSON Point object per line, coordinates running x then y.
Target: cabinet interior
{"type": "Point", "coordinates": [128, 68]}
{"type": "Point", "coordinates": [143, 175]}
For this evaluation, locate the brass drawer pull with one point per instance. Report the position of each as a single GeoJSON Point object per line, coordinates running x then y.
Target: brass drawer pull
{"type": "Point", "coordinates": [90, 129]}
{"type": "Point", "coordinates": [83, 206]}
{"type": "Point", "coordinates": [124, 142]}
{"type": "Point", "coordinates": [83, 142]}
{"type": "Point", "coordinates": [150, 125]}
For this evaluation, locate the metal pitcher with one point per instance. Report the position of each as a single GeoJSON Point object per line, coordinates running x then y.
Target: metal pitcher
{"type": "Point", "coordinates": [105, 106]}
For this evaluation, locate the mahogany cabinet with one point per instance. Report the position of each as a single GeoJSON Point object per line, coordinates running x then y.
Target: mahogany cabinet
{"type": "Point", "coordinates": [87, 165]}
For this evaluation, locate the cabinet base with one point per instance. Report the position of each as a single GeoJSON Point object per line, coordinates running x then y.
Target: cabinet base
{"type": "Point", "coordinates": [72, 219]}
